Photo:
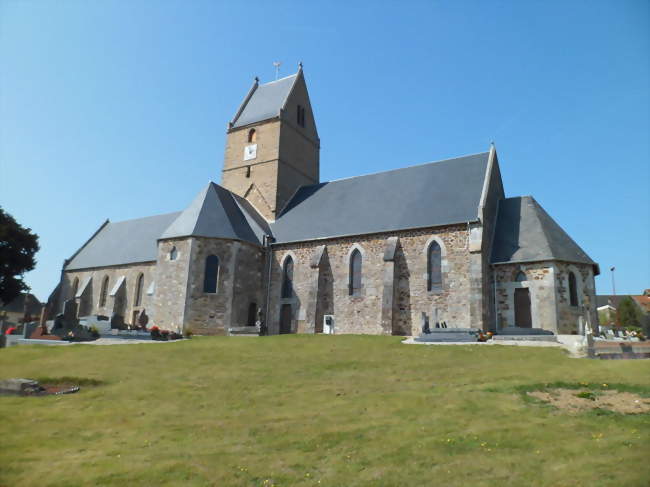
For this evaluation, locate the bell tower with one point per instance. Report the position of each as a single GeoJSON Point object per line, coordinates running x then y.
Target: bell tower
{"type": "Point", "coordinates": [272, 145]}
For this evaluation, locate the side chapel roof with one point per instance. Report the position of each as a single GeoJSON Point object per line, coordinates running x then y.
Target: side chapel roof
{"type": "Point", "coordinates": [124, 242]}
{"type": "Point", "coordinates": [216, 213]}
{"type": "Point", "coordinates": [526, 233]}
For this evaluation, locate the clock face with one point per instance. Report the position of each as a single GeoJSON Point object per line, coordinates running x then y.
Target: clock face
{"type": "Point", "coordinates": [250, 152]}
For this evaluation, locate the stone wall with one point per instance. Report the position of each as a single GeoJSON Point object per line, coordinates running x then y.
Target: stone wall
{"type": "Point", "coordinates": [540, 281]}
{"type": "Point", "coordinates": [89, 302]}
{"type": "Point", "coordinates": [549, 295]}
{"type": "Point", "coordinates": [171, 283]}
{"type": "Point", "coordinates": [488, 211]}
{"type": "Point", "coordinates": [568, 315]}
{"type": "Point", "coordinates": [255, 179]}
{"type": "Point", "coordinates": [394, 288]}
{"type": "Point", "coordinates": [239, 284]}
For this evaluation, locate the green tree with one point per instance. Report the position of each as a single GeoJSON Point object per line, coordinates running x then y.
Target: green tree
{"type": "Point", "coordinates": [18, 245]}
{"type": "Point", "coordinates": [628, 313]}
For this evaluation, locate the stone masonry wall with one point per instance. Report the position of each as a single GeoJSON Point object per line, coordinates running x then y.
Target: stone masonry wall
{"type": "Point", "coordinates": [568, 315]}
{"type": "Point", "coordinates": [89, 302]}
{"type": "Point", "coordinates": [365, 313]}
{"type": "Point", "coordinates": [541, 284]}
{"type": "Point", "coordinates": [549, 295]}
{"type": "Point", "coordinates": [239, 283]}
{"type": "Point", "coordinates": [171, 283]}
{"type": "Point", "coordinates": [239, 176]}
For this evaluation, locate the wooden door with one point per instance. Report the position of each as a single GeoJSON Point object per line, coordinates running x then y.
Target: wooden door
{"type": "Point", "coordinates": [523, 317]}
{"type": "Point", "coordinates": [285, 318]}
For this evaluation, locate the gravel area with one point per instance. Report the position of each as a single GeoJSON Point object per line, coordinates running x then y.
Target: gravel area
{"type": "Point", "coordinates": [520, 343]}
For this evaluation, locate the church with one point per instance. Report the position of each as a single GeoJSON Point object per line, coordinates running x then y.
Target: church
{"type": "Point", "coordinates": [274, 249]}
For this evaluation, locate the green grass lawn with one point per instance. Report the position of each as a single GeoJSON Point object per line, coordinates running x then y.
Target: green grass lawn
{"type": "Point", "coordinates": [297, 410]}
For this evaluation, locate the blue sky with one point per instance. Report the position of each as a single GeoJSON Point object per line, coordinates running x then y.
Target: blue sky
{"type": "Point", "coordinates": [118, 109]}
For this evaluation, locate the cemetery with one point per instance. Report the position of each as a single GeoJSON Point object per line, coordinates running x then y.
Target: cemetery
{"type": "Point", "coordinates": [67, 328]}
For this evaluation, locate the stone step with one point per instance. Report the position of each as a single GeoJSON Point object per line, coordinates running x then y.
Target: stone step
{"type": "Point", "coordinates": [244, 331]}
{"type": "Point", "coordinates": [528, 338]}
{"type": "Point", "coordinates": [514, 330]}
{"type": "Point", "coordinates": [449, 335]}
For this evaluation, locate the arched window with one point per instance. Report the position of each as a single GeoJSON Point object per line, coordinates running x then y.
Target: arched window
{"type": "Point", "coordinates": [521, 277]}
{"type": "Point", "coordinates": [434, 267]}
{"type": "Point", "coordinates": [103, 292]}
{"type": "Point", "coordinates": [252, 135]}
{"type": "Point", "coordinates": [211, 274]}
{"type": "Point", "coordinates": [139, 284]}
{"type": "Point", "coordinates": [173, 253]}
{"type": "Point", "coordinates": [287, 278]}
{"type": "Point", "coordinates": [573, 289]}
{"type": "Point", "coordinates": [75, 287]}
{"type": "Point", "coordinates": [355, 272]}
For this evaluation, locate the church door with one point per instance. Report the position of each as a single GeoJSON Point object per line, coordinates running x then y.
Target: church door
{"type": "Point", "coordinates": [523, 317]}
{"type": "Point", "coordinates": [252, 314]}
{"type": "Point", "coordinates": [285, 319]}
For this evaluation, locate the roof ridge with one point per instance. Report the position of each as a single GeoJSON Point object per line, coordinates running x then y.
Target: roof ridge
{"type": "Point", "coordinates": [401, 168]}
{"type": "Point", "coordinates": [279, 79]}
{"type": "Point", "coordinates": [547, 240]}
{"type": "Point", "coordinates": [204, 204]}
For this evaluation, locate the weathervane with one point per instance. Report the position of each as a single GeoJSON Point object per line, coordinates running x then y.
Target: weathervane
{"type": "Point", "coordinates": [277, 68]}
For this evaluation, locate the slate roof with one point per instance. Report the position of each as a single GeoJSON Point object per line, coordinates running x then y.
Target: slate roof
{"type": "Point", "coordinates": [124, 242]}
{"type": "Point", "coordinates": [526, 233]}
{"type": "Point", "coordinates": [216, 213]}
{"type": "Point", "coordinates": [433, 194]}
{"type": "Point", "coordinates": [265, 102]}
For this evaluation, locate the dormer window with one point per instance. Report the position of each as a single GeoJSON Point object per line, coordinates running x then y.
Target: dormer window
{"type": "Point", "coordinates": [300, 115]}
{"type": "Point", "coordinates": [252, 136]}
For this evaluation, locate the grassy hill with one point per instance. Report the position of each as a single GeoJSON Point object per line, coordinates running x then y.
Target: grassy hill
{"type": "Point", "coordinates": [297, 410]}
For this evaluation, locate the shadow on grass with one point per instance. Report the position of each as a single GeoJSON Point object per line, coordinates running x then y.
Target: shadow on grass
{"type": "Point", "coordinates": [78, 381]}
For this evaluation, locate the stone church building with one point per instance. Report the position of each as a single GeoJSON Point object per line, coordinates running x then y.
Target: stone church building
{"type": "Point", "coordinates": [371, 253]}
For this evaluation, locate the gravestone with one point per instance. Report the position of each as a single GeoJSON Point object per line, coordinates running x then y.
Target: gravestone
{"type": "Point", "coordinates": [143, 319]}
{"type": "Point", "coordinates": [425, 323]}
{"type": "Point", "coordinates": [117, 321]}
{"type": "Point", "coordinates": [70, 311]}
{"type": "Point", "coordinates": [66, 324]}
{"type": "Point", "coordinates": [443, 334]}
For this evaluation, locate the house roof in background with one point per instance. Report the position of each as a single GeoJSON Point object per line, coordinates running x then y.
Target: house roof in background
{"type": "Point", "coordinates": [610, 299]}
{"type": "Point", "coordinates": [643, 301]}
{"type": "Point", "coordinates": [18, 305]}
{"type": "Point", "coordinates": [427, 195]}
{"type": "Point", "coordinates": [526, 233]}
{"type": "Point", "coordinates": [265, 101]}
{"type": "Point", "coordinates": [124, 242]}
